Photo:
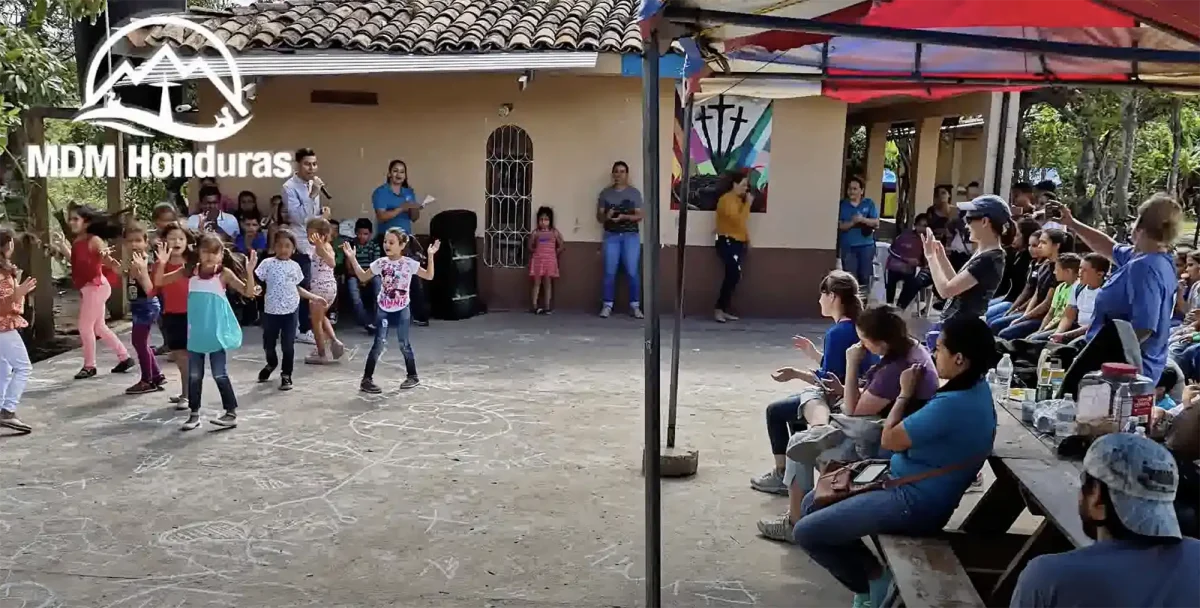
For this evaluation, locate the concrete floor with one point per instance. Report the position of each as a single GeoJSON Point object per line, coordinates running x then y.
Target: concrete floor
{"type": "Point", "coordinates": [509, 478]}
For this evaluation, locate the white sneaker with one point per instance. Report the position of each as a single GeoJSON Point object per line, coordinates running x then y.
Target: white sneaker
{"type": "Point", "coordinates": [635, 311]}
{"type": "Point", "coordinates": [306, 338]}
{"type": "Point", "coordinates": [606, 311]}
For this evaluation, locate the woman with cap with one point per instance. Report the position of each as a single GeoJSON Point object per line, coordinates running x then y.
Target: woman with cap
{"type": "Point", "coordinates": [968, 291]}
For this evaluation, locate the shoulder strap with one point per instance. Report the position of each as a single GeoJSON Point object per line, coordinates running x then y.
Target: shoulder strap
{"type": "Point", "coordinates": [911, 479]}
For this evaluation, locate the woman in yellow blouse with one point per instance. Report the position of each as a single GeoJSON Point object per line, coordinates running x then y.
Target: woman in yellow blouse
{"type": "Point", "coordinates": [733, 212]}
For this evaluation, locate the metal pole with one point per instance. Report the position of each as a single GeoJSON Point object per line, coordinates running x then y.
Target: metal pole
{"type": "Point", "coordinates": [680, 244]}
{"type": "Point", "coordinates": [650, 245]}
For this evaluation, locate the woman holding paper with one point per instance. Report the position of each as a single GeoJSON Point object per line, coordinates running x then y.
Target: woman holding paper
{"type": "Point", "coordinates": [396, 206]}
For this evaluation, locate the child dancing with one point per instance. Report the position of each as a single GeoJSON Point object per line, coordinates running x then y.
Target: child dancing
{"type": "Point", "coordinates": [89, 257]}
{"type": "Point", "coordinates": [178, 243]}
{"type": "Point", "coordinates": [14, 359]}
{"type": "Point", "coordinates": [323, 284]}
{"type": "Point", "coordinates": [145, 309]}
{"type": "Point", "coordinates": [545, 244]}
{"type": "Point", "coordinates": [396, 271]}
{"type": "Point", "coordinates": [212, 327]}
{"type": "Point", "coordinates": [282, 277]}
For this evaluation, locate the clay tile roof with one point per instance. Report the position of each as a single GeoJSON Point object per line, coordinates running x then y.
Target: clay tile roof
{"type": "Point", "coordinates": [423, 27]}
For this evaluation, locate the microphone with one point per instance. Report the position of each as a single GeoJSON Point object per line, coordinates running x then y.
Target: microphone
{"type": "Point", "coordinates": [325, 193]}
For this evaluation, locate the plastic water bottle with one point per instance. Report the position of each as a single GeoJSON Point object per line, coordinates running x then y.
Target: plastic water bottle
{"type": "Point", "coordinates": [1004, 375]}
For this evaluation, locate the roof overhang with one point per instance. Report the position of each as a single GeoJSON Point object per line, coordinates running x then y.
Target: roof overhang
{"type": "Point", "coordinates": [335, 63]}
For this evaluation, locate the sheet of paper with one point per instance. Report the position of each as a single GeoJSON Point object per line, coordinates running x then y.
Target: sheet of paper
{"type": "Point", "coordinates": [428, 199]}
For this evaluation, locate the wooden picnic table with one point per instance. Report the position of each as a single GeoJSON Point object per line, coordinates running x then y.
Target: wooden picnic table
{"type": "Point", "coordinates": [1029, 474]}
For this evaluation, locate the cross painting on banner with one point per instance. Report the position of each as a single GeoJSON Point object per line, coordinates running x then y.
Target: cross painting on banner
{"type": "Point", "coordinates": [729, 133]}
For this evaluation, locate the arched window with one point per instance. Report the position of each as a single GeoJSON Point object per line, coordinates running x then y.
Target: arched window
{"type": "Point", "coordinates": [509, 195]}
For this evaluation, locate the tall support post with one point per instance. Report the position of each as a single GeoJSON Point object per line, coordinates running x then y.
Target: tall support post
{"type": "Point", "coordinates": [38, 204]}
{"type": "Point", "coordinates": [650, 249]}
{"type": "Point", "coordinates": [116, 202]}
{"type": "Point", "coordinates": [680, 255]}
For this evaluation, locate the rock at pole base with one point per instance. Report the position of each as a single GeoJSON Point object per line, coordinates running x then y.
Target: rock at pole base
{"type": "Point", "coordinates": [675, 462]}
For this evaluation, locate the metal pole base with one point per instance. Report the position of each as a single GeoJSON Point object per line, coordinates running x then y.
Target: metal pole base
{"type": "Point", "coordinates": [675, 462]}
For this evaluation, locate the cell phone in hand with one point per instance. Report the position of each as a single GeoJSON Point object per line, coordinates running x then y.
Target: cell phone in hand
{"type": "Point", "coordinates": [870, 473]}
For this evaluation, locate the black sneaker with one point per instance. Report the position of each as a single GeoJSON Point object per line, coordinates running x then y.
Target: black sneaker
{"type": "Point", "coordinates": [227, 420]}
{"type": "Point", "coordinates": [142, 388]}
{"type": "Point", "coordinates": [124, 366]}
{"type": "Point", "coordinates": [410, 382]}
{"type": "Point", "coordinates": [193, 421]}
{"type": "Point", "coordinates": [161, 350]}
{"type": "Point", "coordinates": [266, 372]}
{"type": "Point", "coordinates": [85, 373]}
{"type": "Point", "coordinates": [285, 383]}
{"type": "Point", "coordinates": [369, 386]}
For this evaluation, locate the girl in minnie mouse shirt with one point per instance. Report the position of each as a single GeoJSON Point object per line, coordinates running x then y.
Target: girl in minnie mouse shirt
{"type": "Point", "coordinates": [396, 272]}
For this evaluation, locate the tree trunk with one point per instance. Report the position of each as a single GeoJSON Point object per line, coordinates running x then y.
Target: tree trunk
{"type": "Point", "coordinates": [1176, 124]}
{"type": "Point", "coordinates": [1086, 164]}
{"type": "Point", "coordinates": [1120, 208]}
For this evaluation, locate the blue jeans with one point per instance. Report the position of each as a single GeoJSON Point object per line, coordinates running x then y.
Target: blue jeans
{"type": "Point", "coordinates": [1020, 329]}
{"type": "Point", "coordinates": [832, 536]}
{"type": "Point", "coordinates": [860, 262]}
{"type": "Point", "coordinates": [622, 249]}
{"type": "Point", "coordinates": [1189, 362]}
{"type": "Point", "coordinates": [1001, 323]}
{"type": "Point", "coordinates": [997, 309]}
{"type": "Point", "coordinates": [220, 376]}
{"type": "Point", "coordinates": [401, 321]}
{"type": "Point", "coordinates": [354, 287]}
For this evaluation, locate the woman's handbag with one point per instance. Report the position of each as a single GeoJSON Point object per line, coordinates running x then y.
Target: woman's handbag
{"type": "Point", "coordinates": [836, 482]}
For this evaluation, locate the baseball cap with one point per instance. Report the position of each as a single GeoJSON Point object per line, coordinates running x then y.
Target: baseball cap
{"type": "Point", "coordinates": [1142, 478]}
{"type": "Point", "coordinates": [989, 206]}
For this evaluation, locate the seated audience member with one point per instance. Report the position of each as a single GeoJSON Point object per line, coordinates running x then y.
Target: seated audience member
{"type": "Point", "coordinates": [1022, 197]}
{"type": "Point", "coordinates": [366, 251]}
{"type": "Point", "coordinates": [839, 301]}
{"type": "Point", "coordinates": [905, 257]}
{"type": "Point", "coordinates": [226, 204]}
{"type": "Point", "coordinates": [1066, 271]}
{"type": "Point", "coordinates": [947, 440]}
{"type": "Point", "coordinates": [968, 291]}
{"type": "Point", "coordinates": [211, 218]}
{"type": "Point", "coordinates": [1183, 290]}
{"type": "Point", "coordinates": [1035, 270]}
{"type": "Point", "coordinates": [973, 191]}
{"type": "Point", "coordinates": [1024, 322]}
{"type": "Point", "coordinates": [247, 203]}
{"type": "Point", "coordinates": [1140, 288]}
{"type": "Point", "coordinates": [1082, 305]}
{"type": "Point", "coordinates": [276, 219]}
{"type": "Point", "coordinates": [1140, 558]}
{"type": "Point", "coordinates": [883, 333]}
{"type": "Point", "coordinates": [1017, 261]}
{"type": "Point", "coordinates": [251, 237]}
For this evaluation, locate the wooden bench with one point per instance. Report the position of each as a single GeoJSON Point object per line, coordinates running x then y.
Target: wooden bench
{"type": "Point", "coordinates": [925, 574]}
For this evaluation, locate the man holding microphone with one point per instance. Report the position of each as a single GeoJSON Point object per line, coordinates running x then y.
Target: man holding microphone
{"type": "Point", "coordinates": [302, 199]}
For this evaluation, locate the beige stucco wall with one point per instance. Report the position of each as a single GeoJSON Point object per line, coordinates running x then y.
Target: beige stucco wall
{"type": "Point", "coordinates": [579, 124]}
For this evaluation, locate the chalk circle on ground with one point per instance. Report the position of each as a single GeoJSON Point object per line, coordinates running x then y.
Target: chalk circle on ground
{"type": "Point", "coordinates": [432, 423]}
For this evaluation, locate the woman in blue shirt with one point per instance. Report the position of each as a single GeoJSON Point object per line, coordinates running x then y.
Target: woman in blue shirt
{"type": "Point", "coordinates": [950, 437]}
{"type": "Point", "coordinates": [858, 218]}
{"type": "Point", "coordinates": [394, 202]}
{"type": "Point", "coordinates": [1141, 285]}
{"type": "Point", "coordinates": [839, 301]}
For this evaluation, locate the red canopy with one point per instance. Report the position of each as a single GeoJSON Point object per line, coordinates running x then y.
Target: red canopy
{"type": "Point", "coordinates": [856, 69]}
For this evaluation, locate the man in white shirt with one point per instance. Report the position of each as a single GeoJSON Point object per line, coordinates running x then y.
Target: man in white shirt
{"type": "Point", "coordinates": [302, 200]}
{"type": "Point", "coordinates": [1082, 306]}
{"type": "Point", "coordinates": [211, 218]}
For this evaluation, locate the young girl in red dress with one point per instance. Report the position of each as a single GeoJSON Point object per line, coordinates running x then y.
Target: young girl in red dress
{"type": "Point", "coordinates": [544, 245]}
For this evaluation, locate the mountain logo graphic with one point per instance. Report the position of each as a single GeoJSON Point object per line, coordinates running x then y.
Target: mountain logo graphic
{"type": "Point", "coordinates": [102, 104]}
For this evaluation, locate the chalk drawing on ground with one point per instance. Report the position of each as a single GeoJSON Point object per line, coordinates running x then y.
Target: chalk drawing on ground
{"type": "Point", "coordinates": [462, 461]}
{"type": "Point", "coordinates": [83, 539]}
{"type": "Point", "coordinates": [439, 423]}
{"type": "Point", "coordinates": [447, 566]}
{"type": "Point", "coordinates": [153, 462]}
{"type": "Point", "coordinates": [28, 594]}
{"type": "Point", "coordinates": [618, 558]}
